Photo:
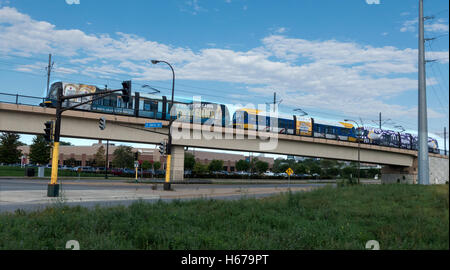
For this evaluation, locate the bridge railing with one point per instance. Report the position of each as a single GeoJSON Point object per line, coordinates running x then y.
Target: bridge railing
{"type": "Point", "coordinates": [20, 99]}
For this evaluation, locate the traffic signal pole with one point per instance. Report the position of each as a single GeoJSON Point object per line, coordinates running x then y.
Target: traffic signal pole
{"type": "Point", "coordinates": [53, 187]}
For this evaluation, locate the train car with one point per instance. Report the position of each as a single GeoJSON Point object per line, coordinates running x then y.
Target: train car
{"type": "Point", "coordinates": [433, 146]}
{"type": "Point", "coordinates": [391, 138]}
{"type": "Point", "coordinates": [140, 105]}
{"type": "Point", "coordinates": [253, 119]}
{"type": "Point", "coordinates": [70, 89]}
{"type": "Point", "coordinates": [334, 130]}
{"type": "Point", "coordinates": [383, 137]}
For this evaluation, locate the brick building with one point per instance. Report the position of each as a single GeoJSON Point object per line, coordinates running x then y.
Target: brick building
{"type": "Point", "coordinates": [84, 156]}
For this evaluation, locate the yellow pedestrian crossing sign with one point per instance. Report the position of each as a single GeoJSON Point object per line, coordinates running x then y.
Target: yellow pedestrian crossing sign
{"type": "Point", "coordinates": [289, 171]}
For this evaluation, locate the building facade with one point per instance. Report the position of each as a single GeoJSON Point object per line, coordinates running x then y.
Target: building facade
{"type": "Point", "coordinates": [85, 156]}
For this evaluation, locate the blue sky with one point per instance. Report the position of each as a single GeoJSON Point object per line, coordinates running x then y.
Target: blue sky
{"type": "Point", "coordinates": [333, 59]}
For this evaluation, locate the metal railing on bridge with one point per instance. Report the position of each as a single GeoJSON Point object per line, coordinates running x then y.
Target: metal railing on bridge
{"type": "Point", "coordinates": [21, 99]}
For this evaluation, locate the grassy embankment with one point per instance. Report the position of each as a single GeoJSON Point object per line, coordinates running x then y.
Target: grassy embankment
{"type": "Point", "coordinates": [11, 171]}
{"type": "Point", "coordinates": [397, 216]}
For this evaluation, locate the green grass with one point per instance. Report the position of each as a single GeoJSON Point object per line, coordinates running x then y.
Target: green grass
{"type": "Point", "coordinates": [397, 216]}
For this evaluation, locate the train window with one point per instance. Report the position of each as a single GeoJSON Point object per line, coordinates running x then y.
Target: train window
{"type": "Point", "coordinates": [150, 105]}
{"type": "Point", "coordinates": [54, 89]}
{"type": "Point", "coordinates": [252, 119]}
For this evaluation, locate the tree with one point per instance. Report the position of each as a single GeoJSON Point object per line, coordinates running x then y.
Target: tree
{"type": "Point", "coordinates": [328, 164]}
{"type": "Point", "coordinates": [315, 169]}
{"type": "Point", "coordinates": [300, 168]}
{"type": "Point", "coordinates": [261, 166]}
{"type": "Point", "coordinates": [123, 157]}
{"type": "Point", "coordinates": [242, 165]}
{"type": "Point", "coordinates": [281, 165]}
{"type": "Point", "coordinates": [146, 165]}
{"type": "Point", "coordinates": [372, 172]}
{"type": "Point", "coordinates": [333, 172]}
{"type": "Point", "coordinates": [200, 168]}
{"type": "Point", "coordinates": [215, 165]}
{"type": "Point", "coordinates": [157, 165]}
{"type": "Point", "coordinates": [40, 150]}
{"type": "Point", "coordinates": [65, 143]}
{"type": "Point", "coordinates": [71, 162]}
{"type": "Point", "coordinates": [99, 157]}
{"type": "Point", "coordinates": [189, 161]}
{"type": "Point", "coordinates": [9, 142]}
{"type": "Point", "coordinates": [253, 164]}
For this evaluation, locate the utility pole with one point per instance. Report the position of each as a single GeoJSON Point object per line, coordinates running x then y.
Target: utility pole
{"type": "Point", "coordinates": [274, 100]}
{"type": "Point", "coordinates": [107, 159]}
{"type": "Point", "coordinates": [423, 173]}
{"type": "Point", "coordinates": [445, 141]}
{"type": "Point", "coordinates": [49, 70]}
{"type": "Point", "coordinates": [380, 120]}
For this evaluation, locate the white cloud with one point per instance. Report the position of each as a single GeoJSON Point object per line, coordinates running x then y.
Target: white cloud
{"type": "Point", "coordinates": [371, 2]}
{"type": "Point", "coordinates": [344, 76]}
{"type": "Point", "coordinates": [193, 7]}
{"type": "Point", "coordinates": [430, 26]}
{"type": "Point", "coordinates": [436, 27]}
{"type": "Point", "coordinates": [409, 25]}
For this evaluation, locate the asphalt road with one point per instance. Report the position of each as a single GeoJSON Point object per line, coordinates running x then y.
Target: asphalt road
{"type": "Point", "coordinates": [38, 184]}
{"type": "Point", "coordinates": [30, 194]}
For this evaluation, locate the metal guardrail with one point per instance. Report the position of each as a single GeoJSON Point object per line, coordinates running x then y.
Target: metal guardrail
{"type": "Point", "coordinates": [21, 99]}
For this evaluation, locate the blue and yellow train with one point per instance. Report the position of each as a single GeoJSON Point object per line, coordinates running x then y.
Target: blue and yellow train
{"type": "Point", "coordinates": [158, 107]}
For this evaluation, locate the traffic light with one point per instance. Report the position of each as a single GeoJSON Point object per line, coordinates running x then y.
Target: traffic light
{"type": "Point", "coordinates": [162, 147]}
{"type": "Point", "coordinates": [136, 155]}
{"type": "Point", "coordinates": [102, 123]}
{"type": "Point", "coordinates": [48, 136]}
{"type": "Point", "coordinates": [126, 91]}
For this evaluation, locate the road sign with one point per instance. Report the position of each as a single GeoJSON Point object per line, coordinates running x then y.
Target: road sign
{"type": "Point", "coordinates": [136, 164]}
{"type": "Point", "coordinates": [153, 125]}
{"type": "Point", "coordinates": [289, 171]}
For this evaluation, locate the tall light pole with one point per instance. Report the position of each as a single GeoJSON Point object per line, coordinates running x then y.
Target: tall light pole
{"type": "Point", "coordinates": [423, 172]}
{"type": "Point", "coordinates": [169, 143]}
{"type": "Point", "coordinates": [359, 145]}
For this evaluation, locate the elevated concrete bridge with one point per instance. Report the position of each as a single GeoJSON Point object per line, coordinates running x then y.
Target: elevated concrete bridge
{"type": "Point", "coordinates": [401, 164]}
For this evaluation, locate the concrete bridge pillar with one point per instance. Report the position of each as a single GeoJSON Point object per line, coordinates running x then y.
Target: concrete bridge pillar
{"type": "Point", "coordinates": [439, 172]}
{"type": "Point", "coordinates": [177, 163]}
{"type": "Point", "coordinates": [399, 174]}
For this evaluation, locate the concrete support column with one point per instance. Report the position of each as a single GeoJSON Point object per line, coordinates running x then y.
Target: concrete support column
{"type": "Point", "coordinates": [438, 173]}
{"type": "Point", "coordinates": [177, 163]}
{"type": "Point", "coordinates": [399, 174]}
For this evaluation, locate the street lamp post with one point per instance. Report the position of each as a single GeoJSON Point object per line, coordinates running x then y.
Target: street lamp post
{"type": "Point", "coordinates": [169, 143]}
{"type": "Point", "coordinates": [359, 144]}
